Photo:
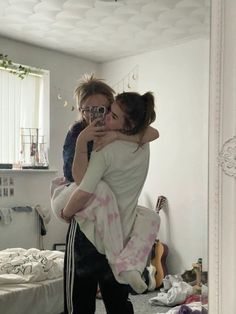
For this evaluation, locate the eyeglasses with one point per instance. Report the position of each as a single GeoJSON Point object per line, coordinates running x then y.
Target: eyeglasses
{"type": "Point", "coordinates": [95, 109]}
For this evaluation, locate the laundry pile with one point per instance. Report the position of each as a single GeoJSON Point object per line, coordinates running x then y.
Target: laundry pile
{"type": "Point", "coordinates": [181, 296]}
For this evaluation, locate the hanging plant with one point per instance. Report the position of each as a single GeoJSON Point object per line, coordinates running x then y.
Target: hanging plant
{"type": "Point", "coordinates": [18, 70]}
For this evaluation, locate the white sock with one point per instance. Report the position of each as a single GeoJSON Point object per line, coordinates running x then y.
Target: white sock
{"type": "Point", "coordinates": [134, 279]}
{"type": "Point", "coordinates": [151, 276]}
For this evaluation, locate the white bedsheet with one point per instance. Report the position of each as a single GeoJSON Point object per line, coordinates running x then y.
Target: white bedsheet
{"type": "Point", "coordinates": [31, 281]}
{"type": "Point", "coordinates": [19, 265]}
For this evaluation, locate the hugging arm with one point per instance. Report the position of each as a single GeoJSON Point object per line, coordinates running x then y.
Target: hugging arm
{"type": "Point", "coordinates": [76, 203]}
{"type": "Point", "coordinates": [149, 135]}
{"type": "Point", "coordinates": [80, 161]}
{"type": "Point", "coordinates": [82, 194]}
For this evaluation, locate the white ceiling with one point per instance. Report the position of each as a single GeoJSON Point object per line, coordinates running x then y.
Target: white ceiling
{"type": "Point", "coordinates": [102, 30]}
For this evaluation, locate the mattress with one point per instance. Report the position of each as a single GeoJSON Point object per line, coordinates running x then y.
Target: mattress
{"type": "Point", "coordinates": [44, 297]}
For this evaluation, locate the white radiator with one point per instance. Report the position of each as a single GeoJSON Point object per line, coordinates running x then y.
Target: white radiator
{"type": "Point", "coordinates": [19, 229]}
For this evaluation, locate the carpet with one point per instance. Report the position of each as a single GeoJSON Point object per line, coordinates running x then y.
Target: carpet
{"type": "Point", "coordinates": [140, 304]}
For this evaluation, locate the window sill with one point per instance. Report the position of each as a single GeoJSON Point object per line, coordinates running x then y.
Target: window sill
{"type": "Point", "coordinates": [28, 170]}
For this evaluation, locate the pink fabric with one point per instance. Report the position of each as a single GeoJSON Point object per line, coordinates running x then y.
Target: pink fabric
{"type": "Point", "coordinates": [100, 222]}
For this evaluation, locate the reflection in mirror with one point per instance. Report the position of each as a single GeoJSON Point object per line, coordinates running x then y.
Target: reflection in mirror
{"type": "Point", "coordinates": [161, 46]}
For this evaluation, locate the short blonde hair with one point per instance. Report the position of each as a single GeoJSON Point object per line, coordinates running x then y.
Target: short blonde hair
{"type": "Point", "coordinates": [89, 85]}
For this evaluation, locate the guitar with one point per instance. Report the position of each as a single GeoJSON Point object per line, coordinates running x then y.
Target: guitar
{"type": "Point", "coordinates": [160, 250]}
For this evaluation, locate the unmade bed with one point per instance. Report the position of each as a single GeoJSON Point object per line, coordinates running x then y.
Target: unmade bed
{"type": "Point", "coordinates": [31, 281]}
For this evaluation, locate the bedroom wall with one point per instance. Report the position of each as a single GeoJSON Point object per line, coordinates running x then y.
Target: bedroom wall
{"type": "Point", "coordinates": [178, 76]}
{"type": "Point", "coordinates": [32, 188]}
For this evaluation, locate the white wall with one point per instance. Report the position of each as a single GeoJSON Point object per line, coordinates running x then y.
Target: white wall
{"type": "Point", "coordinates": [33, 188]}
{"type": "Point", "coordinates": [30, 188]}
{"type": "Point", "coordinates": [178, 76]}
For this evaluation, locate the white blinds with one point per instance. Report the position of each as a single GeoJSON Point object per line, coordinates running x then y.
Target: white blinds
{"type": "Point", "coordinates": [22, 105]}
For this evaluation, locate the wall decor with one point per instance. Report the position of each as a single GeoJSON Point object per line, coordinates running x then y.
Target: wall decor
{"type": "Point", "coordinates": [227, 157]}
{"type": "Point", "coordinates": [128, 82]}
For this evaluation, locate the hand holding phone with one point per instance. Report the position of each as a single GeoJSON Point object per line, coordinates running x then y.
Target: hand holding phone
{"type": "Point", "coordinates": [97, 112]}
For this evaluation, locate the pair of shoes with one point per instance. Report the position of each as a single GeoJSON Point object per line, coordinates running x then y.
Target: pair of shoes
{"type": "Point", "coordinates": [149, 277]}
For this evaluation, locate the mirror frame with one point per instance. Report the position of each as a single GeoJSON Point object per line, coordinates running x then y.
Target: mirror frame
{"type": "Point", "coordinates": [222, 143]}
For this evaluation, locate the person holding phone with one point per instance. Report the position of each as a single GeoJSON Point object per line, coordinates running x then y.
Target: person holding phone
{"type": "Point", "coordinates": [77, 148]}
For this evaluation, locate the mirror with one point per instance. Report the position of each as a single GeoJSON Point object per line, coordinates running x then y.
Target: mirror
{"type": "Point", "coordinates": [178, 174]}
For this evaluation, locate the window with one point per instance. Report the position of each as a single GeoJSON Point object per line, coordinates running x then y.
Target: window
{"type": "Point", "coordinates": [24, 117]}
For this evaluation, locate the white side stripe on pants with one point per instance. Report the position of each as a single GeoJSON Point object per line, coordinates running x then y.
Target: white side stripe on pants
{"type": "Point", "coordinates": [70, 265]}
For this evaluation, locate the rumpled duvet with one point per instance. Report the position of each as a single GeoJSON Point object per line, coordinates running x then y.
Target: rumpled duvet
{"type": "Point", "coordinates": [18, 265]}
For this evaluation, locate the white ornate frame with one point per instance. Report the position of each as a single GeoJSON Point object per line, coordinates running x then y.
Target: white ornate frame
{"type": "Point", "coordinates": [222, 159]}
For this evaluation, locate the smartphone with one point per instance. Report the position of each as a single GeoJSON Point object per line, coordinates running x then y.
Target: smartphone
{"type": "Point", "coordinates": [98, 112]}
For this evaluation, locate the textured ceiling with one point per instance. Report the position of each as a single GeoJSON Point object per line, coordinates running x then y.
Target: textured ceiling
{"type": "Point", "coordinates": [103, 30]}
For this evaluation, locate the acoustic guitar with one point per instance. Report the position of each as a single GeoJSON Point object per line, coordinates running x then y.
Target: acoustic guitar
{"type": "Point", "coordinates": [160, 250]}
